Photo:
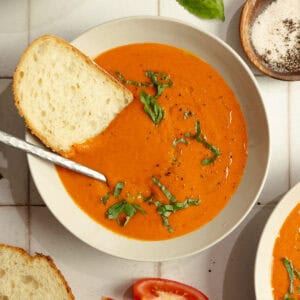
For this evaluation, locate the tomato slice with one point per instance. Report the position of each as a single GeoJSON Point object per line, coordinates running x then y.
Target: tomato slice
{"type": "Point", "coordinates": [158, 288]}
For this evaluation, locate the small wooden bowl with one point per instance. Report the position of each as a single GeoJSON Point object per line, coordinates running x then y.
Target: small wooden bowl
{"type": "Point", "coordinates": [250, 12]}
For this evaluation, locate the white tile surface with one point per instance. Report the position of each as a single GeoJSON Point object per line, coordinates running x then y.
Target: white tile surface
{"type": "Point", "coordinates": [275, 97]}
{"type": "Point", "coordinates": [13, 164]}
{"type": "Point", "coordinates": [13, 33]}
{"type": "Point", "coordinates": [90, 273]}
{"type": "Point", "coordinates": [68, 19]}
{"type": "Point", "coordinates": [14, 226]}
{"type": "Point", "coordinates": [294, 123]}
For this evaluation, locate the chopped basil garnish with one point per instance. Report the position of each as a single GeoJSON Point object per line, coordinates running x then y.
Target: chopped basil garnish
{"type": "Point", "coordinates": [104, 199]}
{"type": "Point", "coordinates": [165, 210]}
{"type": "Point", "coordinates": [181, 140]}
{"type": "Point", "coordinates": [136, 83]}
{"type": "Point", "coordinates": [187, 114]}
{"type": "Point", "coordinates": [166, 192]}
{"type": "Point", "coordinates": [200, 138]}
{"type": "Point", "coordinates": [148, 198]}
{"type": "Point", "coordinates": [290, 270]}
{"type": "Point", "coordinates": [297, 273]}
{"type": "Point", "coordinates": [152, 108]}
{"type": "Point", "coordinates": [160, 81]}
{"type": "Point", "coordinates": [129, 209]}
{"type": "Point", "coordinates": [118, 189]}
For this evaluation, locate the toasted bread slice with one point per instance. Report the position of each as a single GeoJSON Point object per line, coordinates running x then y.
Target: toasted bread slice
{"type": "Point", "coordinates": [30, 277]}
{"type": "Point", "coordinates": [64, 97]}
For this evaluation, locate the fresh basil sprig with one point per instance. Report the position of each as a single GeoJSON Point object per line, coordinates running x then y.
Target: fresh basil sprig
{"type": "Point", "coordinates": [166, 192]}
{"type": "Point", "coordinates": [206, 9]}
{"type": "Point", "coordinates": [187, 114]}
{"type": "Point", "coordinates": [132, 82]}
{"type": "Point", "coordinates": [129, 209]}
{"type": "Point", "coordinates": [105, 198]}
{"type": "Point", "coordinates": [200, 138]}
{"type": "Point", "coordinates": [160, 81]}
{"type": "Point", "coordinates": [165, 210]}
{"type": "Point", "coordinates": [181, 140]}
{"type": "Point", "coordinates": [118, 188]}
{"type": "Point", "coordinates": [153, 109]}
{"type": "Point", "coordinates": [292, 274]}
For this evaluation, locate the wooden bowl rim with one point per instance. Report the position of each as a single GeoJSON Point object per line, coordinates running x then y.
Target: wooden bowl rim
{"type": "Point", "coordinates": [251, 53]}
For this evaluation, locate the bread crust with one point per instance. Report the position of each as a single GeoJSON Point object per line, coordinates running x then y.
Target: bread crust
{"type": "Point", "coordinates": [17, 75]}
{"type": "Point", "coordinates": [40, 256]}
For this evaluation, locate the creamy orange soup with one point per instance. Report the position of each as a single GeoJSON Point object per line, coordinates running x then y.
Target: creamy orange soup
{"type": "Point", "coordinates": [177, 173]}
{"type": "Point", "coordinates": [286, 254]}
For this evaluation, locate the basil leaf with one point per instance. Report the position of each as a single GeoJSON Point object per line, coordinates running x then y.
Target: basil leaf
{"type": "Point", "coordinates": [166, 192]}
{"type": "Point", "coordinates": [165, 210]}
{"type": "Point", "coordinates": [116, 209]}
{"type": "Point", "coordinates": [208, 161]}
{"type": "Point", "coordinates": [166, 223]}
{"type": "Point", "coordinates": [118, 189]}
{"type": "Point", "coordinates": [152, 108]}
{"type": "Point", "coordinates": [160, 81]}
{"type": "Point", "coordinates": [198, 131]}
{"type": "Point", "coordinates": [104, 199]}
{"type": "Point", "coordinates": [297, 273]}
{"type": "Point", "coordinates": [200, 138]}
{"type": "Point", "coordinates": [139, 209]}
{"type": "Point", "coordinates": [290, 270]}
{"type": "Point", "coordinates": [206, 9]}
{"type": "Point", "coordinates": [192, 201]}
{"type": "Point", "coordinates": [187, 114]}
{"type": "Point", "coordinates": [132, 82]}
{"type": "Point", "coordinates": [148, 198]}
{"type": "Point", "coordinates": [129, 209]}
{"type": "Point", "coordinates": [181, 140]}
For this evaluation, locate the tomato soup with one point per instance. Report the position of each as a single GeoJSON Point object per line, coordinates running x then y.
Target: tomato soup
{"type": "Point", "coordinates": [286, 259]}
{"type": "Point", "coordinates": [173, 157]}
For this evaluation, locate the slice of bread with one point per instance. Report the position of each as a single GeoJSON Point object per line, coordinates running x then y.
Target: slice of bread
{"type": "Point", "coordinates": [30, 277]}
{"type": "Point", "coordinates": [64, 97]}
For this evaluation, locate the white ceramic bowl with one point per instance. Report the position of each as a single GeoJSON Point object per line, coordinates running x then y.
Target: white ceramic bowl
{"type": "Point", "coordinates": [264, 255]}
{"type": "Point", "coordinates": [241, 80]}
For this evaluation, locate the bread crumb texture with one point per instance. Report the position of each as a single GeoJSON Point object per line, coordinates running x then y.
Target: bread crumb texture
{"type": "Point", "coordinates": [64, 96]}
{"type": "Point", "coordinates": [23, 277]}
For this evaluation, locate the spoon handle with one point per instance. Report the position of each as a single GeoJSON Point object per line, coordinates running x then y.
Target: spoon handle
{"type": "Point", "coordinates": [47, 155]}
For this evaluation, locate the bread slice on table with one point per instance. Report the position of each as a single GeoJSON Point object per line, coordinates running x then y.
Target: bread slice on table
{"type": "Point", "coordinates": [64, 97]}
{"type": "Point", "coordinates": [30, 277]}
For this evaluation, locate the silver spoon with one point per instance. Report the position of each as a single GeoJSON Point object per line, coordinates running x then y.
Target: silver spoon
{"type": "Point", "coordinates": [47, 155]}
